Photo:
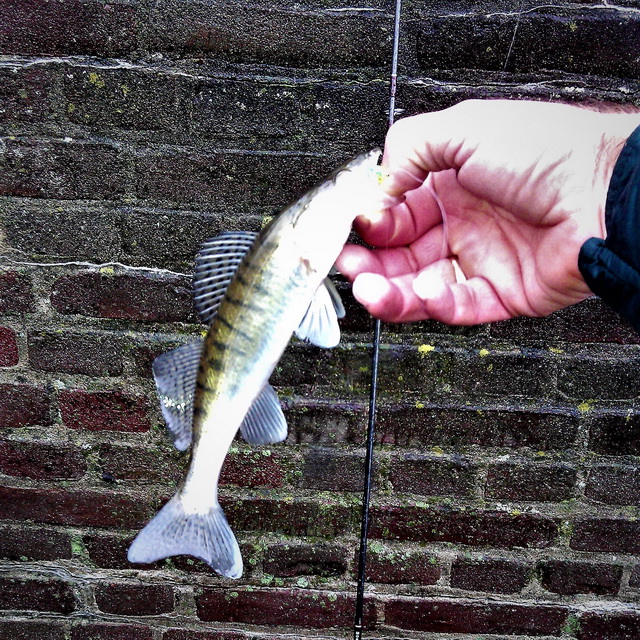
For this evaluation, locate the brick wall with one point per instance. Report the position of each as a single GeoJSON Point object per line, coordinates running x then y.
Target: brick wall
{"type": "Point", "coordinates": [507, 477]}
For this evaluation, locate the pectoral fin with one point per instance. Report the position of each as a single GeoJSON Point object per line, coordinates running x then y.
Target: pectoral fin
{"type": "Point", "coordinates": [320, 323]}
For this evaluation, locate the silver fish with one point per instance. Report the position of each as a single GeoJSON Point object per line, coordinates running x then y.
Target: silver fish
{"type": "Point", "coordinates": [255, 292]}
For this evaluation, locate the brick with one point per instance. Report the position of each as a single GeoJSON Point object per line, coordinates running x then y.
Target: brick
{"type": "Point", "coordinates": [121, 462]}
{"type": "Point", "coordinates": [272, 35]}
{"type": "Point", "coordinates": [327, 470]}
{"type": "Point", "coordinates": [614, 484]}
{"type": "Point", "coordinates": [77, 232]}
{"type": "Point", "coordinates": [462, 427]}
{"type": "Point", "coordinates": [254, 468]}
{"type": "Point", "coordinates": [612, 434]}
{"type": "Point", "coordinates": [325, 423]}
{"type": "Point", "coordinates": [62, 170]}
{"type": "Point", "coordinates": [8, 347]}
{"type": "Point", "coordinates": [431, 475]}
{"type": "Point", "coordinates": [16, 295]}
{"type": "Point", "coordinates": [609, 625]}
{"type": "Point", "coordinates": [310, 609]}
{"type": "Point", "coordinates": [460, 616]}
{"type": "Point", "coordinates": [104, 411]}
{"type": "Point", "coordinates": [22, 543]}
{"type": "Point", "coordinates": [25, 94]}
{"type": "Point", "coordinates": [79, 507]}
{"type": "Point", "coordinates": [41, 461]}
{"type": "Point", "coordinates": [474, 528]}
{"type": "Point", "coordinates": [614, 535]}
{"type": "Point", "coordinates": [98, 631]}
{"type": "Point", "coordinates": [36, 595]}
{"type": "Point", "coordinates": [109, 551]}
{"type": "Point", "coordinates": [90, 355]}
{"type": "Point", "coordinates": [131, 297]}
{"type": "Point", "coordinates": [183, 634]}
{"type": "Point", "coordinates": [30, 630]}
{"type": "Point", "coordinates": [67, 27]}
{"type": "Point", "coordinates": [569, 577]}
{"type": "Point", "coordinates": [242, 180]}
{"type": "Point", "coordinates": [135, 599]}
{"type": "Point", "coordinates": [495, 575]}
{"type": "Point", "coordinates": [589, 41]}
{"type": "Point", "coordinates": [289, 560]}
{"type": "Point", "coordinates": [539, 482]}
{"type": "Point", "coordinates": [392, 565]}
{"type": "Point", "coordinates": [24, 406]}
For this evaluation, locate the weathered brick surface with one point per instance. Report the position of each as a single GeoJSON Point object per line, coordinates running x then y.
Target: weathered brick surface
{"type": "Point", "coordinates": [324, 470]}
{"type": "Point", "coordinates": [26, 544]}
{"type": "Point", "coordinates": [616, 535]}
{"type": "Point", "coordinates": [614, 484]}
{"type": "Point", "coordinates": [24, 94]}
{"type": "Point", "coordinates": [615, 434]}
{"type": "Point", "coordinates": [40, 460]}
{"type": "Point", "coordinates": [8, 347]}
{"type": "Point", "coordinates": [30, 630]}
{"type": "Point", "coordinates": [390, 565]}
{"type": "Point", "coordinates": [55, 596]}
{"type": "Point", "coordinates": [489, 574]}
{"type": "Point", "coordinates": [23, 405]}
{"type": "Point", "coordinates": [287, 560]}
{"type": "Point", "coordinates": [570, 577]}
{"type": "Point", "coordinates": [521, 481]}
{"type": "Point", "coordinates": [15, 292]}
{"type": "Point", "coordinates": [609, 625]}
{"type": "Point", "coordinates": [96, 631]}
{"type": "Point", "coordinates": [135, 599]}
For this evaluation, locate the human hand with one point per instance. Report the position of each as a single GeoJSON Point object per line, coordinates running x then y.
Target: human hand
{"type": "Point", "coordinates": [510, 190]}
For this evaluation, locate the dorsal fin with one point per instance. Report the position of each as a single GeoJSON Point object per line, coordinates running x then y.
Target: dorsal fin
{"type": "Point", "coordinates": [216, 263]}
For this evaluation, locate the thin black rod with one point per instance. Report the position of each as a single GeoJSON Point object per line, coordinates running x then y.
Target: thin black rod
{"type": "Point", "coordinates": [373, 393]}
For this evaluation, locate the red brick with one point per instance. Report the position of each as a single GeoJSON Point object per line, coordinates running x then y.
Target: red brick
{"type": "Point", "coordinates": [474, 528]}
{"type": "Point", "coordinates": [109, 551]}
{"type": "Point", "coordinates": [609, 625]}
{"type": "Point", "coordinates": [149, 298]}
{"type": "Point", "coordinates": [182, 634]}
{"type": "Point", "coordinates": [431, 475]}
{"type": "Point", "coordinates": [135, 599]}
{"type": "Point", "coordinates": [104, 411]}
{"type": "Point", "coordinates": [15, 292]}
{"type": "Point", "coordinates": [314, 609]}
{"type": "Point", "coordinates": [614, 484]}
{"type": "Point", "coordinates": [123, 462]}
{"type": "Point", "coordinates": [27, 543]}
{"type": "Point", "coordinates": [539, 482]}
{"type": "Point", "coordinates": [330, 470]}
{"type": "Point", "coordinates": [615, 535]}
{"type": "Point", "coordinates": [76, 353]}
{"type": "Point", "coordinates": [38, 460]}
{"type": "Point", "coordinates": [36, 595]}
{"type": "Point", "coordinates": [254, 468]}
{"type": "Point", "coordinates": [100, 631]}
{"type": "Point", "coordinates": [30, 630]}
{"type": "Point", "coordinates": [8, 347]}
{"type": "Point", "coordinates": [465, 616]}
{"type": "Point", "coordinates": [74, 507]}
{"type": "Point", "coordinates": [289, 559]}
{"type": "Point", "coordinates": [399, 566]}
{"type": "Point", "coordinates": [569, 577]}
{"type": "Point", "coordinates": [24, 406]}
{"type": "Point", "coordinates": [495, 575]}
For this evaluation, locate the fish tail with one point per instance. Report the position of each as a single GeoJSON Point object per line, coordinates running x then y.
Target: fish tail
{"type": "Point", "coordinates": [174, 531]}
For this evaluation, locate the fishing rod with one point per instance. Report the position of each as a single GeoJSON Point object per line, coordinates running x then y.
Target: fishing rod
{"type": "Point", "coordinates": [375, 359]}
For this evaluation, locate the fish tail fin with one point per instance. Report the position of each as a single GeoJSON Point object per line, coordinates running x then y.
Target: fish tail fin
{"type": "Point", "coordinates": [174, 531]}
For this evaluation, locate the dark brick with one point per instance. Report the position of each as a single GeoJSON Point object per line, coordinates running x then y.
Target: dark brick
{"type": "Point", "coordinates": [460, 616]}
{"type": "Point", "coordinates": [257, 468]}
{"type": "Point", "coordinates": [272, 35]}
{"type": "Point", "coordinates": [23, 406]}
{"type": "Point", "coordinates": [62, 170]}
{"type": "Point", "coordinates": [104, 411]}
{"type": "Point", "coordinates": [611, 434]}
{"type": "Point", "coordinates": [45, 229]}
{"type": "Point", "coordinates": [135, 599]}
{"type": "Point", "coordinates": [182, 634]}
{"type": "Point", "coordinates": [22, 543]}
{"type": "Point", "coordinates": [609, 625]}
{"type": "Point", "coordinates": [391, 565]}
{"type": "Point", "coordinates": [289, 560]}
{"type": "Point", "coordinates": [431, 475]}
{"type": "Point", "coordinates": [590, 41]}
{"type": "Point", "coordinates": [540, 482]}
{"type": "Point", "coordinates": [8, 347]}
{"type": "Point", "coordinates": [16, 295]}
{"type": "Point", "coordinates": [131, 297]}
{"type": "Point", "coordinates": [25, 94]}
{"type": "Point", "coordinates": [614, 484]}
{"type": "Point", "coordinates": [318, 610]}
{"type": "Point", "coordinates": [495, 575]}
{"type": "Point", "coordinates": [70, 27]}
{"type": "Point", "coordinates": [634, 578]}
{"type": "Point", "coordinates": [91, 355]}
{"type": "Point", "coordinates": [329, 470]}
{"type": "Point", "coordinates": [326, 423]}
{"type": "Point", "coordinates": [74, 507]}
{"type": "Point", "coordinates": [37, 595]}
{"type": "Point", "coordinates": [122, 462]}
{"type": "Point", "coordinates": [109, 551]}
{"type": "Point", "coordinates": [614, 535]}
{"type": "Point", "coordinates": [463, 427]}
{"type": "Point", "coordinates": [569, 577]}
{"type": "Point", "coordinates": [99, 631]}
{"type": "Point", "coordinates": [475, 528]}
{"type": "Point", "coordinates": [30, 630]}
{"type": "Point", "coordinates": [41, 460]}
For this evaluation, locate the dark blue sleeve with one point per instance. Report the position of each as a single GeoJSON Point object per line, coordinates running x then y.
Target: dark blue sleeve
{"type": "Point", "coordinates": [611, 267]}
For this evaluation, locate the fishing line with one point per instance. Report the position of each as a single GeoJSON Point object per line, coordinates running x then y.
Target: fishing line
{"type": "Point", "coordinates": [375, 359]}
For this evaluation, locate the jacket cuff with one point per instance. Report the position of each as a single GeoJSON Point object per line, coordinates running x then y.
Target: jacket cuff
{"type": "Point", "coordinates": [611, 267]}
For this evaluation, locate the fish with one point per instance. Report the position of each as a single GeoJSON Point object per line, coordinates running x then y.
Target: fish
{"type": "Point", "coordinates": [255, 291]}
